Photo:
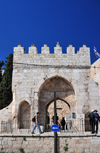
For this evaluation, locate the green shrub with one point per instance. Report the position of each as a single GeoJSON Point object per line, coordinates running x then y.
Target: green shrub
{"type": "Point", "coordinates": [66, 146]}
{"type": "Point", "coordinates": [21, 149]}
{"type": "Point", "coordinates": [97, 83]}
{"type": "Point", "coordinates": [24, 138]}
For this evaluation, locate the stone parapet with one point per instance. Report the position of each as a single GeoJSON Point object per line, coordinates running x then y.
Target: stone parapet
{"type": "Point", "coordinates": [82, 57]}
{"type": "Point", "coordinates": [45, 144]}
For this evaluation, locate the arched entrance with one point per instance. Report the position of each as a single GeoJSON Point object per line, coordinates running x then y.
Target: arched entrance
{"type": "Point", "coordinates": [24, 115]}
{"type": "Point", "coordinates": [64, 90]}
{"type": "Point", "coordinates": [62, 112]}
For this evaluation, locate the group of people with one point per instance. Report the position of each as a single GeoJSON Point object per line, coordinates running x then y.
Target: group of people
{"type": "Point", "coordinates": [93, 118]}
{"type": "Point", "coordinates": [38, 126]}
{"type": "Point", "coordinates": [62, 123]}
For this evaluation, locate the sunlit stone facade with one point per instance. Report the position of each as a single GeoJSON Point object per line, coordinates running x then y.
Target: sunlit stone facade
{"type": "Point", "coordinates": [37, 76]}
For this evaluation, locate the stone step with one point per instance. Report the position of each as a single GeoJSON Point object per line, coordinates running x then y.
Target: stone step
{"type": "Point", "coordinates": [66, 131]}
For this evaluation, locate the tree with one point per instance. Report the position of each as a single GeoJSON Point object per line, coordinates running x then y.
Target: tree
{"type": "Point", "coordinates": [1, 64]}
{"type": "Point", "coordinates": [1, 88]}
{"type": "Point", "coordinates": [6, 83]}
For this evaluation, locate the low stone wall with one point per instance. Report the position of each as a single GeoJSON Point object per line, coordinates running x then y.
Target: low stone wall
{"type": "Point", "coordinates": [45, 143]}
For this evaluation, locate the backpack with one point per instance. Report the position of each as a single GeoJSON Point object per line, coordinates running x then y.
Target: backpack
{"type": "Point", "coordinates": [33, 119]}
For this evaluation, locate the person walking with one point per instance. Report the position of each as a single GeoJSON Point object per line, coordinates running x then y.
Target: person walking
{"type": "Point", "coordinates": [36, 124]}
{"type": "Point", "coordinates": [57, 118]}
{"type": "Point", "coordinates": [63, 123]}
{"type": "Point", "coordinates": [96, 120]}
{"type": "Point", "coordinates": [48, 121]}
{"type": "Point", "coordinates": [91, 118]}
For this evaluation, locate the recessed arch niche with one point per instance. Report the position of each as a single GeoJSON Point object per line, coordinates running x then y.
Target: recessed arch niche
{"type": "Point", "coordinates": [24, 115]}
{"type": "Point", "coordinates": [64, 90]}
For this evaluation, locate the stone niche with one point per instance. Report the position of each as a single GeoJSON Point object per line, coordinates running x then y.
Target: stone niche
{"type": "Point", "coordinates": [24, 115]}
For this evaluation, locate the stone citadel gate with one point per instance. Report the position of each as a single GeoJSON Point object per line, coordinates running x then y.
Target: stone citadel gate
{"type": "Point", "coordinates": [37, 76]}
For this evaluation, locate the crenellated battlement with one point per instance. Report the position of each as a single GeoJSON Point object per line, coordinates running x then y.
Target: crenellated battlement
{"type": "Point", "coordinates": [82, 57]}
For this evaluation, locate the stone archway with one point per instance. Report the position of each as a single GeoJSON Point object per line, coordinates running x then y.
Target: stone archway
{"type": "Point", "coordinates": [24, 115]}
{"type": "Point", "coordinates": [64, 90]}
{"type": "Point", "coordinates": [62, 112]}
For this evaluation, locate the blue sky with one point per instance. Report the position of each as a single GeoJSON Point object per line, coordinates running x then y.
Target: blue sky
{"type": "Point", "coordinates": [40, 22]}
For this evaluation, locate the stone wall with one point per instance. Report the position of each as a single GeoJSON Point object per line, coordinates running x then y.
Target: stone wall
{"type": "Point", "coordinates": [6, 113]}
{"type": "Point", "coordinates": [28, 83]}
{"type": "Point", "coordinates": [95, 74]}
{"type": "Point", "coordinates": [45, 144]}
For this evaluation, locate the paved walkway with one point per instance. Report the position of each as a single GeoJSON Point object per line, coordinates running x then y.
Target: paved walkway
{"type": "Point", "coordinates": [51, 134]}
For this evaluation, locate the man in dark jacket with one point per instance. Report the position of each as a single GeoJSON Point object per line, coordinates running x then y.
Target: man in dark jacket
{"type": "Point", "coordinates": [63, 123]}
{"type": "Point", "coordinates": [57, 118]}
{"type": "Point", "coordinates": [91, 118]}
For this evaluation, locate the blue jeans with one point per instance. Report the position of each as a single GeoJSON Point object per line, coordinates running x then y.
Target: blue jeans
{"type": "Point", "coordinates": [38, 126]}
